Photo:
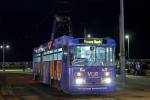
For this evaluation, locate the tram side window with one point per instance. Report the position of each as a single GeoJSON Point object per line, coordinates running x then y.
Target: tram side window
{"type": "Point", "coordinates": [51, 57]}
{"type": "Point", "coordinates": [60, 56]}
{"type": "Point", "coordinates": [109, 56]}
{"type": "Point", "coordinates": [111, 51]}
{"type": "Point", "coordinates": [55, 56]}
{"type": "Point", "coordinates": [36, 59]}
{"type": "Point", "coordinates": [45, 58]}
{"type": "Point", "coordinates": [105, 56]}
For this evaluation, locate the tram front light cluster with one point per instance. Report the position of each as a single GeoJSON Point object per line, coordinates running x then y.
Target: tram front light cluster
{"type": "Point", "coordinates": [106, 80]}
{"type": "Point", "coordinates": [79, 81]}
{"type": "Point", "coordinates": [79, 74]}
{"type": "Point", "coordinates": [107, 73]}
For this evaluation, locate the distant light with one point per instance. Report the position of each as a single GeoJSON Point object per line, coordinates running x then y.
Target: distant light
{"type": "Point", "coordinates": [7, 46]}
{"type": "Point", "coordinates": [127, 36]}
{"type": "Point", "coordinates": [88, 35]}
{"type": "Point", "coordinates": [1, 46]}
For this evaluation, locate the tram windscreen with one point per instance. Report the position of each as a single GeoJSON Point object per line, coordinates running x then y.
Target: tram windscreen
{"type": "Point", "coordinates": [92, 56]}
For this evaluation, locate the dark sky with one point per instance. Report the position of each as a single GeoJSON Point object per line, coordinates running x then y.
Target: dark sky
{"type": "Point", "coordinates": [25, 24]}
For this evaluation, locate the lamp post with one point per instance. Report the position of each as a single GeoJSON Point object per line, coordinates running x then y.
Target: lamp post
{"type": "Point", "coordinates": [127, 37]}
{"type": "Point", "coordinates": [122, 45]}
{"type": "Point", "coordinates": [4, 46]}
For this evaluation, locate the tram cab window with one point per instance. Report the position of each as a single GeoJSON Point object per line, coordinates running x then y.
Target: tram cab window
{"type": "Point", "coordinates": [92, 56]}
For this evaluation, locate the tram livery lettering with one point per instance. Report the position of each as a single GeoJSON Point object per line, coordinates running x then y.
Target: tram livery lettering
{"type": "Point", "coordinates": [92, 74]}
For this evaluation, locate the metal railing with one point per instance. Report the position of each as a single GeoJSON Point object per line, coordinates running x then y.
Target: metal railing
{"type": "Point", "coordinates": [16, 65]}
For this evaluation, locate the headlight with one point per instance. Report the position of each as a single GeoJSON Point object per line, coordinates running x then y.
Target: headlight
{"type": "Point", "coordinates": [79, 81]}
{"type": "Point", "coordinates": [107, 74]}
{"type": "Point", "coordinates": [106, 80]}
{"type": "Point", "coordinates": [79, 74]}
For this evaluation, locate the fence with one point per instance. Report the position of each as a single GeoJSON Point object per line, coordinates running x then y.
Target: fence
{"type": "Point", "coordinates": [16, 65]}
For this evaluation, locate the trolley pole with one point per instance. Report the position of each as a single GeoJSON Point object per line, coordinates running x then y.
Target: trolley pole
{"type": "Point", "coordinates": [122, 45]}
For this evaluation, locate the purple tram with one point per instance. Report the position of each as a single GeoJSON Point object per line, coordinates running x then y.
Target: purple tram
{"type": "Point", "coordinates": [76, 65]}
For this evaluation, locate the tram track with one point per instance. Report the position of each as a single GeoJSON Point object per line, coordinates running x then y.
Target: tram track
{"type": "Point", "coordinates": [21, 87]}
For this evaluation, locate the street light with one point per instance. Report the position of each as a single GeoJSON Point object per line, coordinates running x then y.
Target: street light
{"type": "Point", "coordinates": [88, 35]}
{"type": "Point", "coordinates": [127, 37]}
{"type": "Point", "coordinates": [4, 46]}
{"type": "Point", "coordinates": [7, 46]}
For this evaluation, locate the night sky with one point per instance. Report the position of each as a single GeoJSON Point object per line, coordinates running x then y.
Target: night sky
{"type": "Point", "coordinates": [25, 24]}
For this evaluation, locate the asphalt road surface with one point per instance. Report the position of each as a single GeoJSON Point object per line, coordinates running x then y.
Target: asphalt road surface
{"type": "Point", "coordinates": [20, 86]}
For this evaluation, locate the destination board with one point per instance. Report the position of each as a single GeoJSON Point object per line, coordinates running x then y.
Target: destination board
{"type": "Point", "coordinates": [93, 41]}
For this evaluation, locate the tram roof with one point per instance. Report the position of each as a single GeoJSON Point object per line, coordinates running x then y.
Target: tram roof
{"type": "Point", "coordinates": [71, 41]}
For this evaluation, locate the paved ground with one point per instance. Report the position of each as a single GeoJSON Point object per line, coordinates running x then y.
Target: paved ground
{"type": "Point", "coordinates": [19, 86]}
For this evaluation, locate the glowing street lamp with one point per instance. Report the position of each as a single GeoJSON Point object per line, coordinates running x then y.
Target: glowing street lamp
{"type": "Point", "coordinates": [7, 46]}
{"type": "Point", "coordinates": [4, 46]}
{"type": "Point", "coordinates": [127, 37]}
{"type": "Point", "coordinates": [88, 35]}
